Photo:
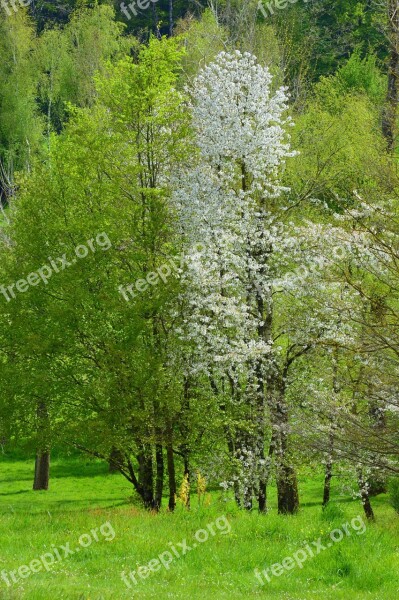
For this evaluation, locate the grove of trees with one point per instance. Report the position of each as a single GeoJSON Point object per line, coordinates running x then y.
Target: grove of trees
{"type": "Point", "coordinates": [240, 174]}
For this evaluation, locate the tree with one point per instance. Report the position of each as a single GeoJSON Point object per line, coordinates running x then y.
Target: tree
{"type": "Point", "coordinates": [20, 124]}
{"type": "Point", "coordinates": [68, 59]}
{"type": "Point", "coordinates": [100, 362]}
{"type": "Point", "coordinates": [392, 98]}
{"type": "Point", "coordinates": [228, 203]}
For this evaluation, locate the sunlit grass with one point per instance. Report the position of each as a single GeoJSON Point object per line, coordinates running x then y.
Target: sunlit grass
{"type": "Point", "coordinates": [83, 496]}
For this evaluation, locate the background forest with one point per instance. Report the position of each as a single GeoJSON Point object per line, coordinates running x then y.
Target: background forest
{"type": "Point", "coordinates": [199, 292]}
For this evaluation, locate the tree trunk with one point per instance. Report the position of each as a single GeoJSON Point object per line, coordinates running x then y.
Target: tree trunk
{"type": "Point", "coordinates": [287, 490]}
{"type": "Point", "coordinates": [232, 453]}
{"type": "Point", "coordinates": [171, 477]}
{"type": "Point", "coordinates": [155, 21]}
{"type": "Point", "coordinates": [328, 471]}
{"type": "Point", "coordinates": [263, 463]}
{"type": "Point", "coordinates": [327, 482]}
{"type": "Point", "coordinates": [246, 449]}
{"type": "Point", "coordinates": [262, 500]}
{"type": "Point", "coordinates": [170, 18]}
{"type": "Point", "coordinates": [159, 478]}
{"type": "Point", "coordinates": [333, 425]}
{"type": "Point", "coordinates": [146, 477]}
{"type": "Point", "coordinates": [262, 494]}
{"type": "Point", "coordinates": [185, 432]}
{"type": "Point", "coordinates": [287, 484]}
{"type": "Point", "coordinates": [187, 473]}
{"type": "Point", "coordinates": [392, 99]}
{"type": "Point", "coordinates": [264, 309]}
{"type": "Point", "coordinates": [230, 445]}
{"type": "Point", "coordinates": [248, 493]}
{"type": "Point", "coordinates": [364, 494]}
{"type": "Point", "coordinates": [263, 468]}
{"type": "Point", "coordinates": [42, 464]}
{"type": "Point", "coordinates": [42, 471]}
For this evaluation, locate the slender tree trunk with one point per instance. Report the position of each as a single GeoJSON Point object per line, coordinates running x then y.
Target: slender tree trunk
{"type": "Point", "coordinates": [327, 482]}
{"type": "Point", "coordinates": [245, 445]}
{"type": "Point", "coordinates": [230, 445]}
{"type": "Point", "coordinates": [248, 488]}
{"type": "Point", "coordinates": [171, 477]}
{"type": "Point", "coordinates": [155, 21]}
{"type": "Point", "coordinates": [146, 477]}
{"type": "Point", "coordinates": [170, 18]}
{"type": "Point", "coordinates": [392, 99]}
{"type": "Point", "coordinates": [260, 415]}
{"type": "Point", "coordinates": [263, 464]}
{"type": "Point", "coordinates": [264, 309]}
{"type": "Point", "coordinates": [50, 104]}
{"type": "Point", "coordinates": [262, 494]}
{"type": "Point", "coordinates": [232, 453]}
{"type": "Point", "coordinates": [262, 501]}
{"type": "Point", "coordinates": [42, 463]}
{"type": "Point", "coordinates": [328, 470]}
{"type": "Point", "coordinates": [160, 475]}
{"type": "Point", "coordinates": [287, 484]}
{"type": "Point", "coordinates": [331, 438]}
{"type": "Point", "coordinates": [42, 471]}
{"type": "Point", "coordinates": [364, 494]}
{"type": "Point", "coordinates": [185, 430]}
{"type": "Point", "coordinates": [187, 472]}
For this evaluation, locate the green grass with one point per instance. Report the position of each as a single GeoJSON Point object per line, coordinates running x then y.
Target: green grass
{"type": "Point", "coordinates": [83, 496]}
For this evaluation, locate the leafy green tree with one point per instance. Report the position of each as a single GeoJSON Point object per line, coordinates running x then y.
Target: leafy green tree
{"type": "Point", "coordinates": [20, 124]}
{"type": "Point", "coordinates": [68, 59]}
{"type": "Point", "coordinates": [101, 353]}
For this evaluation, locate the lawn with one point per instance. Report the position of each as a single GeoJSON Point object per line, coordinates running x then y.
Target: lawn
{"type": "Point", "coordinates": [84, 498]}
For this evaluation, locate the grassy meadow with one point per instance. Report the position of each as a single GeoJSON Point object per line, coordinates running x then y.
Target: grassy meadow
{"type": "Point", "coordinates": [83, 496]}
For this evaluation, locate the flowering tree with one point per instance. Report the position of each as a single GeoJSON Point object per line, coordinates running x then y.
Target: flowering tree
{"type": "Point", "coordinates": [229, 204]}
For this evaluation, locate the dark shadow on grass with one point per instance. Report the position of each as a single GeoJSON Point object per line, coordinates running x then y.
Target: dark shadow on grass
{"type": "Point", "coordinates": [74, 469]}
{"type": "Point", "coordinates": [14, 493]}
{"type": "Point", "coordinates": [59, 468]}
{"type": "Point", "coordinates": [56, 505]}
{"type": "Point", "coordinates": [78, 469]}
{"type": "Point", "coordinates": [17, 479]}
{"type": "Point", "coordinates": [332, 501]}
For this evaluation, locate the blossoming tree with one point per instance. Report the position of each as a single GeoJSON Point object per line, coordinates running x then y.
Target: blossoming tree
{"type": "Point", "coordinates": [229, 207]}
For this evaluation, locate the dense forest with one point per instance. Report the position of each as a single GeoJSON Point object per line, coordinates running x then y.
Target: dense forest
{"type": "Point", "coordinates": [199, 236]}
